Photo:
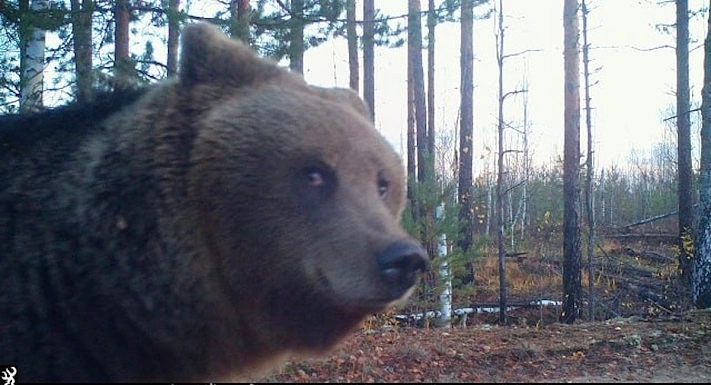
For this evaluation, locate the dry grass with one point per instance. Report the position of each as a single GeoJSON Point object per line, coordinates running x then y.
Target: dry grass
{"type": "Point", "coordinates": [524, 276]}
{"type": "Point", "coordinates": [619, 269]}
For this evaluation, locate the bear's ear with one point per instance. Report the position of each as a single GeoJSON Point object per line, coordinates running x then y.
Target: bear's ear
{"type": "Point", "coordinates": [208, 56]}
{"type": "Point", "coordinates": [347, 96]}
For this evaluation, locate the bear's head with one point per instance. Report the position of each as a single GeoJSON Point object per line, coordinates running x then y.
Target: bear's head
{"type": "Point", "coordinates": [297, 197]}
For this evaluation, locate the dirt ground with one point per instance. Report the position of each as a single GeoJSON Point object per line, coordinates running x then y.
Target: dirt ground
{"type": "Point", "coordinates": [664, 349]}
{"type": "Point", "coordinates": [647, 335]}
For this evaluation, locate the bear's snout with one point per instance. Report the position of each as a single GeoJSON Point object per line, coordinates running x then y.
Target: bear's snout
{"type": "Point", "coordinates": [400, 264]}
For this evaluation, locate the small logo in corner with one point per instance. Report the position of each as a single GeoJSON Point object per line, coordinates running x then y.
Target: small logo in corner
{"type": "Point", "coordinates": [8, 373]}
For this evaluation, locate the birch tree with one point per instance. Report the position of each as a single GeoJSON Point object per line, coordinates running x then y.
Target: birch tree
{"type": "Point", "coordinates": [32, 46]}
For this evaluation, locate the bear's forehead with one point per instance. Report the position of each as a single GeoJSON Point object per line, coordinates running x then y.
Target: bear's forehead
{"type": "Point", "coordinates": [340, 148]}
{"type": "Point", "coordinates": [296, 123]}
{"type": "Point", "coordinates": [346, 136]}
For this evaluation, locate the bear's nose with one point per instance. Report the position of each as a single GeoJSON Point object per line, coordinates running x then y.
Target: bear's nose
{"type": "Point", "coordinates": [400, 264]}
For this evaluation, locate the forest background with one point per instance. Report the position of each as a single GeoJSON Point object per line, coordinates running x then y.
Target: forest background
{"type": "Point", "coordinates": [530, 123]}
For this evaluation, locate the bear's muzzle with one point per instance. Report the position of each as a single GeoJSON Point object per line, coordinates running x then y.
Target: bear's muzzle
{"type": "Point", "coordinates": [400, 264]}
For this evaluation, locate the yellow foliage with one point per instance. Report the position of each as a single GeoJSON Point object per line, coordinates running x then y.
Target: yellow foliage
{"type": "Point", "coordinates": [687, 243]}
{"type": "Point", "coordinates": [377, 321]}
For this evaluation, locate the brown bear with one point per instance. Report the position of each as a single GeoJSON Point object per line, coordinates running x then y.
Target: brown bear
{"type": "Point", "coordinates": [197, 230]}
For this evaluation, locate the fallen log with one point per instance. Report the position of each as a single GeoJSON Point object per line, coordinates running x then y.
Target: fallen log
{"type": "Point", "coordinates": [667, 238]}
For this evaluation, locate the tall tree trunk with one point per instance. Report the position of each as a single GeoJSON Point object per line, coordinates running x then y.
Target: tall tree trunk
{"type": "Point", "coordinates": [489, 203]}
{"type": "Point", "coordinates": [123, 67]}
{"type": "Point", "coordinates": [466, 133]}
{"type": "Point", "coordinates": [239, 20]}
{"type": "Point", "coordinates": [82, 11]}
{"type": "Point", "coordinates": [352, 36]}
{"type": "Point", "coordinates": [589, 208]}
{"type": "Point", "coordinates": [466, 124]}
{"type": "Point", "coordinates": [369, 55]}
{"type": "Point", "coordinates": [701, 273]}
{"type": "Point", "coordinates": [414, 28]}
{"type": "Point", "coordinates": [173, 36]}
{"type": "Point", "coordinates": [32, 43]}
{"type": "Point", "coordinates": [500, 222]}
{"type": "Point", "coordinates": [602, 198]}
{"type": "Point", "coordinates": [526, 164]}
{"type": "Point", "coordinates": [411, 139]}
{"type": "Point", "coordinates": [431, 24]}
{"type": "Point", "coordinates": [571, 165]}
{"type": "Point", "coordinates": [425, 160]}
{"type": "Point", "coordinates": [24, 36]}
{"type": "Point", "coordinates": [296, 46]}
{"type": "Point", "coordinates": [683, 124]}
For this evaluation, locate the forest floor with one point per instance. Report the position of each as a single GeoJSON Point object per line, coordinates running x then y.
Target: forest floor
{"type": "Point", "coordinates": [666, 349]}
{"type": "Point", "coordinates": [644, 330]}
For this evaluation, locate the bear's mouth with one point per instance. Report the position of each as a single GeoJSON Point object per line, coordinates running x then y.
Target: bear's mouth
{"type": "Point", "coordinates": [361, 304]}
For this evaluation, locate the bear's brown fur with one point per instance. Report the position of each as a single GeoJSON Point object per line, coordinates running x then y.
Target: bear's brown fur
{"type": "Point", "coordinates": [199, 230]}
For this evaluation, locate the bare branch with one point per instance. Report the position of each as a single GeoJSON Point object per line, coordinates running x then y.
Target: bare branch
{"type": "Point", "coordinates": [677, 115]}
{"type": "Point", "coordinates": [652, 48]}
{"type": "Point", "coordinates": [512, 151]}
{"type": "Point", "coordinates": [510, 93]}
{"type": "Point", "coordinates": [520, 53]}
{"type": "Point", "coordinates": [514, 186]}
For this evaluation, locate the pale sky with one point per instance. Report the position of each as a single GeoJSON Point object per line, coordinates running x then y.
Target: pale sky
{"type": "Point", "coordinates": [634, 88]}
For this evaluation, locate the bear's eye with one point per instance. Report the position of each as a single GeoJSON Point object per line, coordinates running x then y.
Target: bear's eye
{"type": "Point", "coordinates": [318, 177]}
{"type": "Point", "coordinates": [315, 184]}
{"type": "Point", "coordinates": [383, 185]}
{"type": "Point", "coordinates": [314, 178]}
